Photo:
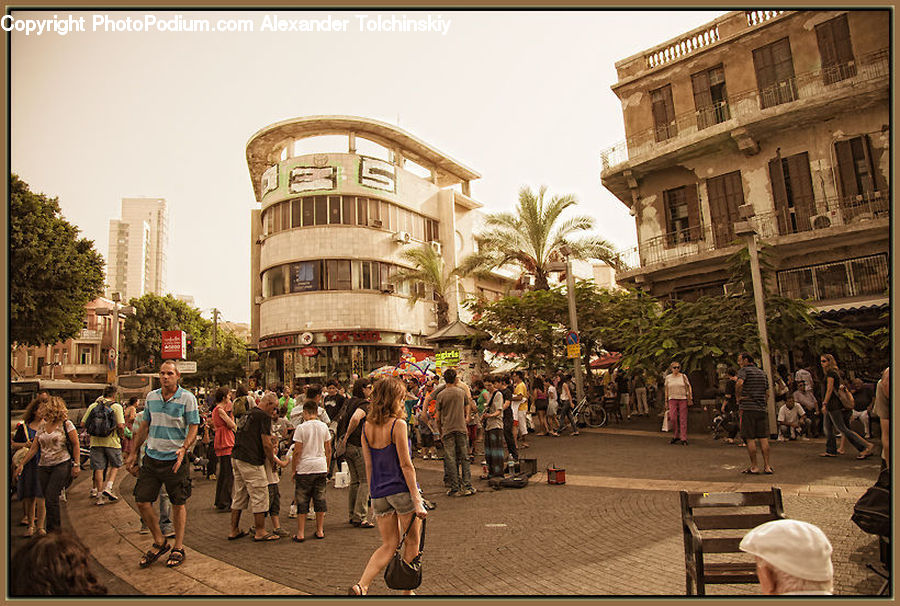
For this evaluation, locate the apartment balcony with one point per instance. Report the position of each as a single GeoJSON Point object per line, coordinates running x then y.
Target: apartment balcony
{"type": "Point", "coordinates": [836, 218]}
{"type": "Point", "coordinates": [747, 116]}
{"type": "Point", "coordinates": [79, 369]}
{"type": "Point", "coordinates": [92, 336]}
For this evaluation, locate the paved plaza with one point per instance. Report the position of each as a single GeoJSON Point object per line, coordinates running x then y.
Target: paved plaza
{"type": "Point", "coordinates": [613, 529]}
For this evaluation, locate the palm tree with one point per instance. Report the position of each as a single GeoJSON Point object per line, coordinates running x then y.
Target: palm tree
{"type": "Point", "coordinates": [533, 236]}
{"type": "Point", "coordinates": [428, 269]}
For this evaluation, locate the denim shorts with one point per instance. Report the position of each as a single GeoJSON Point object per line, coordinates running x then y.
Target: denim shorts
{"type": "Point", "coordinates": [400, 503]}
{"type": "Point", "coordinates": [310, 487]}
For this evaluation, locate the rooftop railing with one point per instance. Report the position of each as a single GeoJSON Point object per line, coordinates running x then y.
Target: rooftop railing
{"type": "Point", "coordinates": [683, 244]}
{"type": "Point", "coordinates": [741, 106]}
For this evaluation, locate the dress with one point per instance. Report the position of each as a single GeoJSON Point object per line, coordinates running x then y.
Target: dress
{"type": "Point", "coordinates": [27, 486]}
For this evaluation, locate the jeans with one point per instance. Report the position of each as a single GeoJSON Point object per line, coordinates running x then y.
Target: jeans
{"type": "Point", "coordinates": [358, 497]}
{"type": "Point", "coordinates": [834, 419]}
{"type": "Point", "coordinates": [510, 439]}
{"type": "Point", "coordinates": [565, 414]}
{"type": "Point", "coordinates": [224, 482]}
{"type": "Point", "coordinates": [456, 454]}
{"type": "Point", "coordinates": [493, 452]}
{"type": "Point", "coordinates": [53, 479]}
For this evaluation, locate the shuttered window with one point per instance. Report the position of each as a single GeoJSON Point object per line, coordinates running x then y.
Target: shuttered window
{"type": "Point", "coordinates": [792, 190]}
{"type": "Point", "coordinates": [857, 175]}
{"type": "Point", "coordinates": [710, 98]}
{"type": "Point", "coordinates": [663, 112]}
{"type": "Point", "coordinates": [835, 50]}
{"type": "Point", "coordinates": [726, 194]}
{"type": "Point", "coordinates": [775, 73]}
{"type": "Point", "coordinates": [682, 215]}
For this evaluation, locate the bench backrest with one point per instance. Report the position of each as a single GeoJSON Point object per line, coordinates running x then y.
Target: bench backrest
{"type": "Point", "coordinates": [693, 515]}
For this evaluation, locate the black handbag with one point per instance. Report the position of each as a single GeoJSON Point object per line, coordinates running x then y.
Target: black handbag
{"type": "Point", "coordinates": [400, 574]}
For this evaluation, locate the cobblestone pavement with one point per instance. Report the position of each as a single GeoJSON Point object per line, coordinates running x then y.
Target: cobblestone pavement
{"type": "Point", "coordinates": [613, 529]}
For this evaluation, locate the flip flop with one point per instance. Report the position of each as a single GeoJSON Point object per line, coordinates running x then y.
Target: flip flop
{"type": "Point", "coordinates": [269, 537]}
{"type": "Point", "coordinates": [319, 537]}
{"type": "Point", "coordinates": [769, 471]}
{"type": "Point", "coordinates": [297, 539]}
{"type": "Point", "coordinates": [750, 472]}
{"type": "Point", "coordinates": [365, 524]}
{"type": "Point", "coordinates": [239, 535]}
{"type": "Point", "coordinates": [863, 455]}
{"type": "Point", "coordinates": [826, 454]}
{"type": "Point", "coordinates": [356, 590]}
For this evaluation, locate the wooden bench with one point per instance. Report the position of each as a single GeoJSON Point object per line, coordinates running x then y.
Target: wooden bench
{"type": "Point", "coordinates": [697, 515]}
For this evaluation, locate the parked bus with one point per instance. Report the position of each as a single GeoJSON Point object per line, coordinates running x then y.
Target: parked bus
{"type": "Point", "coordinates": [77, 396]}
{"type": "Point", "coordinates": [138, 385]}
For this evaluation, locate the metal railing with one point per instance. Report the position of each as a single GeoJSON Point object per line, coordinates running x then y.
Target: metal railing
{"type": "Point", "coordinates": [827, 281]}
{"type": "Point", "coordinates": [828, 213]}
{"type": "Point", "coordinates": [810, 85]}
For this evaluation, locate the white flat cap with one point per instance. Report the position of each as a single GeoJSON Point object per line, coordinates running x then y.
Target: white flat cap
{"type": "Point", "coordinates": [797, 548]}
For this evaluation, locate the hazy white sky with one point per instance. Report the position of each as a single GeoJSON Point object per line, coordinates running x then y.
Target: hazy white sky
{"type": "Point", "coordinates": [522, 97]}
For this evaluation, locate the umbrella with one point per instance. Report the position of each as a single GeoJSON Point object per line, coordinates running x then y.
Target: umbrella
{"type": "Point", "coordinates": [606, 360]}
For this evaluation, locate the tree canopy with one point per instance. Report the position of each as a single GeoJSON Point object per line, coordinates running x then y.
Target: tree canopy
{"type": "Point", "coordinates": [53, 272]}
{"type": "Point", "coordinates": [221, 364]}
{"type": "Point", "coordinates": [532, 237]}
{"type": "Point", "coordinates": [142, 336]}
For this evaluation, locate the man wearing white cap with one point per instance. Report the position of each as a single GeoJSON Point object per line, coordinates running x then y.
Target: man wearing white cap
{"type": "Point", "coordinates": [792, 558]}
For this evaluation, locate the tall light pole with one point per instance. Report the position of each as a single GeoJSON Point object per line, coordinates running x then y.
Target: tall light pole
{"type": "Point", "coordinates": [746, 231]}
{"type": "Point", "coordinates": [573, 319]}
{"type": "Point", "coordinates": [114, 355]}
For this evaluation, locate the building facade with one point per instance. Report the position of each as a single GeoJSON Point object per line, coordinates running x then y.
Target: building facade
{"type": "Point", "coordinates": [326, 240]}
{"type": "Point", "coordinates": [782, 112]}
{"type": "Point", "coordinates": [85, 358]}
{"type": "Point", "coordinates": [137, 260]}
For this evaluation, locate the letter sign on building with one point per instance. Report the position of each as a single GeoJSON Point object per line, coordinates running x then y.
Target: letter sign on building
{"type": "Point", "coordinates": [309, 178]}
{"type": "Point", "coordinates": [377, 174]}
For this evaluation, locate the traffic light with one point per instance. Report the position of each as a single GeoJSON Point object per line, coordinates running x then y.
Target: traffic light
{"type": "Point", "coordinates": [189, 340]}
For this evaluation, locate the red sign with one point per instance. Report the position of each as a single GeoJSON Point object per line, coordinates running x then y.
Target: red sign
{"type": "Point", "coordinates": [174, 344]}
{"type": "Point", "coordinates": [278, 341]}
{"type": "Point", "coordinates": [369, 336]}
{"type": "Point", "coordinates": [309, 351]}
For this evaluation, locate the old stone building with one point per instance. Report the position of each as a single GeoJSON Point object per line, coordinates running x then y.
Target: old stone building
{"type": "Point", "coordinates": [786, 111]}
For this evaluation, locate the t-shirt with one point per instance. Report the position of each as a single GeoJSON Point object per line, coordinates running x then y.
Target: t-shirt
{"type": "Point", "coordinates": [296, 416]}
{"type": "Point", "coordinates": [313, 435]}
{"type": "Point", "coordinates": [753, 391]}
{"type": "Point", "coordinates": [169, 421]}
{"type": "Point", "coordinates": [804, 376]}
{"type": "Point", "coordinates": [287, 403]}
{"type": "Point", "coordinates": [54, 448]}
{"type": "Point", "coordinates": [835, 402]}
{"type": "Point", "coordinates": [495, 403]}
{"type": "Point", "coordinates": [862, 397]}
{"type": "Point", "coordinates": [482, 400]}
{"type": "Point", "coordinates": [112, 440]}
{"type": "Point", "coordinates": [248, 439]}
{"type": "Point", "coordinates": [730, 401]}
{"type": "Point", "coordinates": [224, 440]}
{"type": "Point", "coordinates": [677, 386]}
{"type": "Point", "coordinates": [806, 399]}
{"type": "Point", "coordinates": [552, 396]}
{"type": "Point", "coordinates": [521, 391]}
{"type": "Point", "coordinates": [450, 405]}
{"type": "Point", "coordinates": [508, 413]}
{"type": "Point", "coordinates": [333, 405]}
{"type": "Point", "coordinates": [790, 416]}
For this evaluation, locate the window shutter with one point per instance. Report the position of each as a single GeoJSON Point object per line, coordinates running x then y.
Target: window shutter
{"type": "Point", "coordinates": [765, 70]}
{"type": "Point", "coordinates": [779, 194]}
{"type": "Point", "coordinates": [669, 240]}
{"type": "Point", "coordinates": [825, 38]}
{"type": "Point", "coordinates": [702, 100]}
{"type": "Point", "coordinates": [801, 190]}
{"type": "Point", "coordinates": [693, 204]}
{"type": "Point", "coordinates": [718, 210]}
{"type": "Point", "coordinates": [846, 169]}
{"type": "Point", "coordinates": [663, 112]}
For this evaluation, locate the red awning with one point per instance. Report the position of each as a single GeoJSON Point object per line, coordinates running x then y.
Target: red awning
{"type": "Point", "coordinates": [606, 360]}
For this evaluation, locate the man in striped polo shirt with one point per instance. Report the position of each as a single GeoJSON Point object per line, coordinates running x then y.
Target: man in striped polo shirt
{"type": "Point", "coordinates": [751, 391]}
{"type": "Point", "coordinates": [170, 422]}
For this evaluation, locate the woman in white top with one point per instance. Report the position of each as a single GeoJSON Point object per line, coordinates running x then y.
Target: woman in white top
{"type": "Point", "coordinates": [678, 397]}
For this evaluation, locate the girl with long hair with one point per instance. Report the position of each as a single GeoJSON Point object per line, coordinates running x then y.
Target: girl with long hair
{"type": "Point", "coordinates": [358, 495]}
{"type": "Point", "coordinates": [28, 488]}
{"type": "Point", "coordinates": [392, 479]}
{"type": "Point", "coordinates": [832, 409]}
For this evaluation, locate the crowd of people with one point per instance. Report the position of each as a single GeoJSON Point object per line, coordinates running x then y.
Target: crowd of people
{"type": "Point", "coordinates": [371, 430]}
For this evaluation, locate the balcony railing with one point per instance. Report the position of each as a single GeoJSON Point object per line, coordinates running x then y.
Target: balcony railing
{"type": "Point", "coordinates": [829, 213]}
{"type": "Point", "coordinates": [828, 281]}
{"type": "Point", "coordinates": [87, 334]}
{"type": "Point", "coordinates": [742, 106]}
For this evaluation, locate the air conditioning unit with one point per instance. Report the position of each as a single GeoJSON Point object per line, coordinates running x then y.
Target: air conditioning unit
{"type": "Point", "coordinates": [820, 221]}
{"type": "Point", "coordinates": [389, 288]}
{"type": "Point", "coordinates": [734, 289]}
{"type": "Point", "coordinates": [435, 246]}
{"type": "Point", "coordinates": [402, 236]}
{"type": "Point", "coordinates": [376, 223]}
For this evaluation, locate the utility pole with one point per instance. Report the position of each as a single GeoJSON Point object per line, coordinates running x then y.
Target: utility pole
{"type": "Point", "coordinates": [215, 325]}
{"type": "Point", "coordinates": [573, 320]}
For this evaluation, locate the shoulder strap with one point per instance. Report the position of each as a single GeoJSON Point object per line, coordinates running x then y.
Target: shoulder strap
{"type": "Point", "coordinates": [392, 430]}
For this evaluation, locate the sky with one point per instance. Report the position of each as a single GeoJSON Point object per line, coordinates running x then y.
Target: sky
{"type": "Point", "coordinates": [521, 97]}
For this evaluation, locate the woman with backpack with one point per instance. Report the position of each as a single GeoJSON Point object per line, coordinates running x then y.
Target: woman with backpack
{"type": "Point", "coordinates": [833, 408]}
{"type": "Point", "coordinates": [56, 439]}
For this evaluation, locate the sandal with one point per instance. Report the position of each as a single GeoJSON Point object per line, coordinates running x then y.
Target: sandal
{"type": "Point", "coordinates": [239, 535]}
{"type": "Point", "coordinates": [826, 454]}
{"type": "Point", "coordinates": [153, 554]}
{"type": "Point", "coordinates": [175, 558]}
{"type": "Point", "coordinates": [750, 472]}
{"type": "Point", "coordinates": [365, 524]}
{"type": "Point", "coordinates": [297, 539]}
{"type": "Point", "coordinates": [319, 536]}
{"type": "Point", "coordinates": [30, 532]}
{"type": "Point", "coordinates": [769, 471]}
{"type": "Point", "coordinates": [356, 590]}
{"type": "Point", "coordinates": [269, 537]}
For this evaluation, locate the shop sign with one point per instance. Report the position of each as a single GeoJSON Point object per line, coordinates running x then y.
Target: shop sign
{"type": "Point", "coordinates": [364, 336]}
{"type": "Point", "coordinates": [174, 344]}
{"type": "Point", "coordinates": [447, 359]}
{"type": "Point", "coordinates": [278, 341]}
{"type": "Point", "coordinates": [309, 351]}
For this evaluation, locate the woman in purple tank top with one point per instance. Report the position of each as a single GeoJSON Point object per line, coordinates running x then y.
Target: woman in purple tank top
{"type": "Point", "coordinates": [392, 479]}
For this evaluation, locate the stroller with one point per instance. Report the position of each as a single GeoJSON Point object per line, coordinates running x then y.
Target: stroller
{"type": "Point", "coordinates": [724, 424]}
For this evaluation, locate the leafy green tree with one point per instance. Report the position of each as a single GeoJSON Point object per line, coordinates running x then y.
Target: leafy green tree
{"type": "Point", "coordinates": [53, 272]}
{"type": "Point", "coordinates": [533, 236]}
{"type": "Point", "coordinates": [142, 336]}
{"type": "Point", "coordinates": [428, 269]}
{"type": "Point", "coordinates": [222, 364]}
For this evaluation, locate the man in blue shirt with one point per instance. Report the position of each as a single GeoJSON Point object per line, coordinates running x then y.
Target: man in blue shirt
{"type": "Point", "coordinates": [169, 427]}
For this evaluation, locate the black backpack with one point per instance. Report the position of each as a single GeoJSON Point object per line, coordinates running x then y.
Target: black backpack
{"type": "Point", "coordinates": [102, 420]}
{"type": "Point", "coordinates": [872, 512]}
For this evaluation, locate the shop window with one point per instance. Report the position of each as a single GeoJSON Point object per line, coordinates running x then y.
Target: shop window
{"type": "Point", "coordinates": [710, 98]}
{"type": "Point", "coordinates": [663, 109]}
{"type": "Point", "coordinates": [295, 212]}
{"type": "Point", "coordinates": [309, 212]}
{"type": "Point", "coordinates": [321, 210]}
{"type": "Point", "coordinates": [349, 210]}
{"type": "Point", "coordinates": [836, 50]}
{"type": "Point", "coordinates": [334, 210]}
{"type": "Point", "coordinates": [774, 67]}
{"type": "Point", "coordinates": [682, 215]}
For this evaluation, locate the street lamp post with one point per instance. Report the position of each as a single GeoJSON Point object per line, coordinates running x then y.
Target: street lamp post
{"type": "Point", "coordinates": [114, 356]}
{"type": "Point", "coordinates": [573, 320]}
{"type": "Point", "coordinates": [745, 230]}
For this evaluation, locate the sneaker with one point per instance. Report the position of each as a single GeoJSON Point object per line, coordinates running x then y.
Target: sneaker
{"type": "Point", "coordinates": [93, 493]}
{"type": "Point", "coordinates": [62, 496]}
{"type": "Point", "coordinates": [101, 500]}
{"type": "Point", "coordinates": [110, 496]}
{"type": "Point", "coordinates": [292, 512]}
{"type": "Point", "coordinates": [469, 492]}
{"type": "Point", "coordinates": [452, 493]}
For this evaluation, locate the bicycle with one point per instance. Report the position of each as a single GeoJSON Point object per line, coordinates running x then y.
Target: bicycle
{"type": "Point", "coordinates": [590, 414]}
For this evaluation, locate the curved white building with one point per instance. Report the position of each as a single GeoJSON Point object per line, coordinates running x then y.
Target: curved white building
{"type": "Point", "coordinates": [327, 237]}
